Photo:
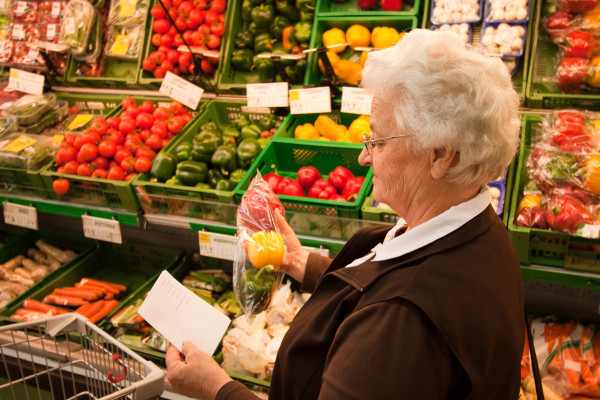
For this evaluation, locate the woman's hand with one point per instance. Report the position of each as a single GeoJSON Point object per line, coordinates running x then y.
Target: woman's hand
{"type": "Point", "coordinates": [193, 373]}
{"type": "Point", "coordinates": [294, 263]}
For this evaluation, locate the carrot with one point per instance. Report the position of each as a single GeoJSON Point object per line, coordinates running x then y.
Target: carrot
{"type": "Point", "coordinates": [30, 315]}
{"type": "Point", "coordinates": [71, 291]}
{"type": "Point", "coordinates": [68, 301]}
{"type": "Point", "coordinates": [106, 288]}
{"type": "Point", "coordinates": [107, 307]}
{"type": "Point", "coordinates": [35, 305]}
{"type": "Point", "coordinates": [91, 309]}
{"type": "Point", "coordinates": [98, 282]}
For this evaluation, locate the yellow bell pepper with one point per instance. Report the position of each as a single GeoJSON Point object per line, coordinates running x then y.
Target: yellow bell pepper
{"type": "Point", "coordinates": [324, 139]}
{"type": "Point", "coordinates": [591, 19]}
{"type": "Point", "coordinates": [348, 71]}
{"type": "Point", "coordinates": [344, 138]}
{"type": "Point", "coordinates": [593, 78]}
{"type": "Point", "coordinates": [530, 200]}
{"type": "Point", "coordinates": [265, 248]}
{"type": "Point", "coordinates": [365, 117]}
{"type": "Point", "coordinates": [592, 177]}
{"type": "Point", "coordinates": [358, 127]}
{"type": "Point", "coordinates": [383, 37]}
{"type": "Point", "coordinates": [358, 36]}
{"type": "Point", "coordinates": [306, 131]}
{"type": "Point", "coordinates": [333, 59]}
{"type": "Point", "coordinates": [363, 58]}
{"type": "Point", "coordinates": [329, 128]}
{"type": "Point", "coordinates": [334, 36]}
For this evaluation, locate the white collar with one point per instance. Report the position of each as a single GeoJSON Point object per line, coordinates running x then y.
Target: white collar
{"type": "Point", "coordinates": [428, 232]}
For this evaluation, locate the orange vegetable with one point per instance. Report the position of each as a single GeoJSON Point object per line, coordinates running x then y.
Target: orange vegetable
{"type": "Point", "coordinates": [288, 33]}
{"type": "Point", "coordinates": [107, 307]}
{"type": "Point", "coordinates": [35, 305]}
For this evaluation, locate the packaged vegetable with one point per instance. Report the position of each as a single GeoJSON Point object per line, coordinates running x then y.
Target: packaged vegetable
{"type": "Point", "coordinates": [29, 109]}
{"type": "Point", "coordinates": [26, 151]}
{"type": "Point", "coordinates": [76, 28]}
{"type": "Point", "coordinates": [260, 249]}
{"type": "Point", "coordinates": [51, 12]}
{"type": "Point", "coordinates": [92, 51]}
{"type": "Point", "coordinates": [127, 12]}
{"type": "Point", "coordinates": [124, 42]}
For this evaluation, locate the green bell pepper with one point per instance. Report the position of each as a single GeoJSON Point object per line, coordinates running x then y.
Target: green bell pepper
{"type": "Point", "coordinates": [306, 5]}
{"type": "Point", "coordinates": [191, 172]}
{"type": "Point", "coordinates": [263, 15]}
{"type": "Point", "coordinates": [241, 121]}
{"type": "Point", "coordinates": [225, 184]}
{"type": "Point", "coordinates": [252, 131]}
{"type": "Point", "coordinates": [307, 16]}
{"type": "Point", "coordinates": [302, 31]}
{"type": "Point", "coordinates": [287, 9]}
{"type": "Point", "coordinates": [225, 158]}
{"type": "Point", "coordinates": [163, 166]}
{"type": "Point", "coordinates": [255, 29]}
{"type": "Point", "coordinates": [202, 185]}
{"type": "Point", "coordinates": [204, 145]}
{"type": "Point", "coordinates": [264, 67]}
{"type": "Point", "coordinates": [231, 132]}
{"type": "Point", "coordinates": [247, 151]}
{"type": "Point", "coordinates": [257, 287]}
{"type": "Point", "coordinates": [246, 9]}
{"type": "Point", "coordinates": [267, 122]}
{"type": "Point", "coordinates": [279, 23]}
{"type": "Point", "coordinates": [263, 42]}
{"type": "Point", "coordinates": [300, 67]}
{"type": "Point", "coordinates": [241, 59]}
{"type": "Point", "coordinates": [184, 150]}
{"type": "Point", "coordinates": [263, 142]}
{"type": "Point", "coordinates": [173, 181]}
{"type": "Point", "coordinates": [236, 176]}
{"type": "Point", "coordinates": [210, 126]}
{"type": "Point", "coordinates": [284, 61]}
{"type": "Point", "coordinates": [214, 176]}
{"type": "Point", "coordinates": [244, 40]}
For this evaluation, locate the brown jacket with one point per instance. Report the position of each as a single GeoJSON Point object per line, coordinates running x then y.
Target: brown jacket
{"type": "Point", "coordinates": [443, 322]}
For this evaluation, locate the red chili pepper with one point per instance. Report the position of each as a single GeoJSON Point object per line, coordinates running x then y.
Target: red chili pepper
{"type": "Point", "coordinates": [289, 187]}
{"type": "Point", "coordinates": [566, 214]}
{"type": "Point", "coordinates": [321, 189]}
{"type": "Point", "coordinates": [307, 176]}
{"type": "Point", "coordinates": [273, 180]}
{"type": "Point", "coordinates": [579, 44]}
{"type": "Point", "coordinates": [352, 187]}
{"type": "Point", "coordinates": [572, 71]}
{"type": "Point", "coordinates": [338, 178]}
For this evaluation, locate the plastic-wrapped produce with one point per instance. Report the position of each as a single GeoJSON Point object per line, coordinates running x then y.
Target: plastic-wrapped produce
{"type": "Point", "coordinates": [27, 151]}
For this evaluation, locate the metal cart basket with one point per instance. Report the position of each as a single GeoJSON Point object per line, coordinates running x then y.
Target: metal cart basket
{"type": "Point", "coordinates": [67, 357]}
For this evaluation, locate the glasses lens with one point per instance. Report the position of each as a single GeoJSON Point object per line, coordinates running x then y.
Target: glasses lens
{"type": "Point", "coordinates": [367, 142]}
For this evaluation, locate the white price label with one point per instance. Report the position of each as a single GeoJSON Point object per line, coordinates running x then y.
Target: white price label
{"type": "Point", "coordinates": [589, 231]}
{"type": "Point", "coordinates": [18, 32]}
{"type": "Point", "coordinates": [20, 8]}
{"type": "Point", "coordinates": [26, 82]}
{"type": "Point", "coordinates": [33, 53]}
{"type": "Point", "coordinates": [23, 216]}
{"type": "Point", "coordinates": [267, 94]}
{"type": "Point", "coordinates": [317, 250]}
{"type": "Point", "coordinates": [356, 101]}
{"type": "Point", "coordinates": [51, 32]}
{"type": "Point", "coordinates": [107, 230]}
{"type": "Point", "coordinates": [181, 90]}
{"type": "Point", "coordinates": [56, 9]}
{"type": "Point", "coordinates": [310, 101]}
{"type": "Point", "coordinates": [217, 245]}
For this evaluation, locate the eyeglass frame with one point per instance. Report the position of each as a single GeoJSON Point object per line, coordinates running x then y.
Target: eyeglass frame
{"type": "Point", "coordinates": [367, 141]}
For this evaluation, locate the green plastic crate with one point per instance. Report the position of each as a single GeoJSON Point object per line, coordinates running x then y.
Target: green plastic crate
{"type": "Point", "coordinates": [330, 8]}
{"type": "Point", "coordinates": [285, 158]}
{"type": "Point", "coordinates": [211, 204]}
{"type": "Point", "coordinates": [18, 181]}
{"type": "Point", "coordinates": [322, 24]}
{"type": "Point", "coordinates": [286, 130]}
{"type": "Point", "coordinates": [542, 246]}
{"type": "Point", "coordinates": [128, 264]}
{"type": "Point", "coordinates": [371, 212]}
{"type": "Point", "coordinates": [10, 237]}
{"type": "Point", "coordinates": [82, 246]}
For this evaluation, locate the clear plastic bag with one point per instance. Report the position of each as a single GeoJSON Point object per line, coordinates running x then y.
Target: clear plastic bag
{"type": "Point", "coordinates": [260, 249]}
{"type": "Point", "coordinates": [124, 42]}
{"type": "Point", "coordinates": [127, 12]}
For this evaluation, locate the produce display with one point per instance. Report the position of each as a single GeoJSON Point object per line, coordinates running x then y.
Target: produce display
{"type": "Point", "coordinates": [325, 128]}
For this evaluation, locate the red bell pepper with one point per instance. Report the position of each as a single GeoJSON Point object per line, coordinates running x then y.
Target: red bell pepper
{"type": "Point", "coordinates": [566, 213]}
{"type": "Point", "coordinates": [558, 24]}
{"type": "Point", "coordinates": [352, 188]}
{"type": "Point", "coordinates": [579, 44]}
{"type": "Point", "coordinates": [307, 176]}
{"type": "Point", "coordinates": [321, 189]}
{"type": "Point", "coordinates": [571, 132]}
{"type": "Point", "coordinates": [338, 178]}
{"type": "Point", "coordinates": [532, 217]}
{"type": "Point", "coordinates": [254, 211]}
{"type": "Point", "coordinates": [273, 180]}
{"type": "Point", "coordinates": [338, 197]}
{"type": "Point", "coordinates": [579, 6]}
{"type": "Point", "coordinates": [572, 71]}
{"type": "Point", "coordinates": [290, 187]}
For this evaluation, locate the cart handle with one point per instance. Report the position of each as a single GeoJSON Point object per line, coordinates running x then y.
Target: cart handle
{"type": "Point", "coordinates": [117, 358]}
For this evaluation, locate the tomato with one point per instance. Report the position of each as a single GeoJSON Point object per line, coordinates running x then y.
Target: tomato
{"type": "Point", "coordinates": [64, 155]}
{"type": "Point", "coordinates": [127, 126]}
{"type": "Point", "coordinates": [77, 142]}
{"type": "Point", "coordinates": [196, 18]}
{"type": "Point", "coordinates": [210, 17]}
{"type": "Point", "coordinates": [71, 167]}
{"type": "Point", "coordinates": [134, 111]}
{"type": "Point", "coordinates": [128, 102]}
{"type": "Point", "coordinates": [99, 126]}
{"type": "Point", "coordinates": [145, 133]}
{"type": "Point", "coordinates": [173, 56]}
{"type": "Point", "coordinates": [200, 4]}
{"type": "Point", "coordinates": [175, 108]}
{"type": "Point", "coordinates": [147, 106]}
{"type": "Point", "coordinates": [84, 169]}
{"type": "Point", "coordinates": [185, 57]}
{"type": "Point", "coordinates": [167, 39]}
{"type": "Point", "coordinates": [130, 176]}
{"type": "Point", "coordinates": [214, 41]}
{"type": "Point", "coordinates": [174, 124]}
{"type": "Point", "coordinates": [116, 173]}
{"type": "Point", "coordinates": [115, 135]}
{"type": "Point", "coordinates": [99, 173]}
{"type": "Point", "coordinates": [107, 148]}
{"type": "Point", "coordinates": [158, 56]}
{"type": "Point", "coordinates": [148, 64]}
{"type": "Point", "coordinates": [144, 120]}
{"type": "Point", "coordinates": [218, 28]}
{"type": "Point", "coordinates": [128, 164]}
{"type": "Point", "coordinates": [145, 151]}
{"type": "Point", "coordinates": [69, 139]}
{"type": "Point", "coordinates": [198, 38]}
{"type": "Point", "coordinates": [100, 162]}
{"type": "Point", "coordinates": [157, 11]}
{"type": "Point", "coordinates": [113, 122]}
{"type": "Point", "coordinates": [161, 25]}
{"type": "Point", "coordinates": [167, 65]}
{"type": "Point", "coordinates": [159, 128]}
{"type": "Point", "coordinates": [60, 186]}
{"type": "Point", "coordinates": [178, 40]}
{"type": "Point", "coordinates": [143, 164]}
{"type": "Point", "coordinates": [154, 142]}
{"type": "Point", "coordinates": [156, 39]}
{"type": "Point", "coordinates": [217, 6]}
{"type": "Point", "coordinates": [207, 67]}
{"type": "Point", "coordinates": [160, 72]}
{"type": "Point", "coordinates": [160, 113]}
{"type": "Point", "coordinates": [89, 136]}
{"type": "Point", "coordinates": [186, 117]}
{"type": "Point", "coordinates": [122, 154]}
{"type": "Point", "coordinates": [88, 152]}
{"type": "Point", "coordinates": [60, 170]}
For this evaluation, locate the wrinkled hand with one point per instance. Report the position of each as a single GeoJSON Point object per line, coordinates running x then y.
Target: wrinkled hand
{"type": "Point", "coordinates": [294, 263]}
{"type": "Point", "coordinates": [193, 373]}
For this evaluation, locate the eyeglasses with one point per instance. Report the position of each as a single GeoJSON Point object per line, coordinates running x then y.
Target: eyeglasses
{"type": "Point", "coordinates": [370, 144]}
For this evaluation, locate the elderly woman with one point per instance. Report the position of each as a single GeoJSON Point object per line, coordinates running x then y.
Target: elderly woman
{"type": "Point", "coordinates": [434, 307]}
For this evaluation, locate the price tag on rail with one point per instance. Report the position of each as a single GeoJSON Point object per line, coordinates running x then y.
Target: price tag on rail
{"type": "Point", "coordinates": [26, 82]}
{"type": "Point", "coordinates": [181, 90]}
{"type": "Point", "coordinates": [310, 101]}
{"type": "Point", "coordinates": [19, 215]}
{"type": "Point", "coordinates": [267, 94]}
{"type": "Point", "coordinates": [356, 101]}
{"type": "Point", "coordinates": [107, 230]}
{"type": "Point", "coordinates": [217, 245]}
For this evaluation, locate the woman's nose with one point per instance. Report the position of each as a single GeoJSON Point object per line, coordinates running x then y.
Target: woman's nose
{"type": "Point", "coordinates": [364, 158]}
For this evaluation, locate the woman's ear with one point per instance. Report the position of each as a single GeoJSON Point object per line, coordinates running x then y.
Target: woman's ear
{"type": "Point", "coordinates": [442, 159]}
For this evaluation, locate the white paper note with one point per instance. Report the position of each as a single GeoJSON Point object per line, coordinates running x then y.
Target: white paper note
{"type": "Point", "coordinates": [178, 314]}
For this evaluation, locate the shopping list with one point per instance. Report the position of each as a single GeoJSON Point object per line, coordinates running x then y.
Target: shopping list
{"type": "Point", "coordinates": [178, 314]}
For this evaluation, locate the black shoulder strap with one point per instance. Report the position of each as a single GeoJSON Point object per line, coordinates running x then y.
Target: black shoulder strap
{"type": "Point", "coordinates": [534, 364]}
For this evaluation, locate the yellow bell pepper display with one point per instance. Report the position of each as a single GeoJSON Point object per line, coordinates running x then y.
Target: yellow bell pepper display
{"type": "Point", "coordinates": [306, 131]}
{"type": "Point", "coordinates": [383, 37]}
{"type": "Point", "coordinates": [357, 128]}
{"type": "Point", "coordinates": [363, 58]}
{"type": "Point", "coordinates": [334, 36]}
{"type": "Point", "coordinates": [265, 248]}
{"type": "Point", "coordinates": [333, 59]}
{"type": "Point", "coordinates": [329, 128]}
{"type": "Point", "coordinates": [592, 177]}
{"type": "Point", "coordinates": [358, 36]}
{"type": "Point", "coordinates": [530, 200]}
{"type": "Point", "coordinates": [348, 71]}
{"type": "Point", "coordinates": [593, 78]}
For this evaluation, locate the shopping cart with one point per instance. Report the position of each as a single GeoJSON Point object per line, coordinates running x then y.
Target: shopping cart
{"type": "Point", "coordinates": [67, 357]}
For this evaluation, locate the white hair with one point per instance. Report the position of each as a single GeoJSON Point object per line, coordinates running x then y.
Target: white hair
{"type": "Point", "coordinates": [446, 94]}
